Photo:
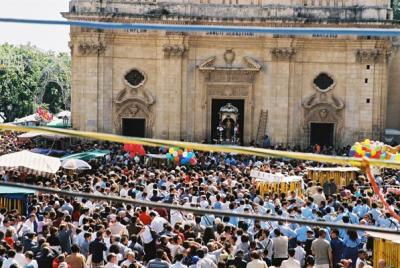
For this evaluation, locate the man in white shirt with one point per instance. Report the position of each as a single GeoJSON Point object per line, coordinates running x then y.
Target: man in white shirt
{"type": "Point", "coordinates": [30, 262]}
{"type": "Point", "coordinates": [10, 261]}
{"type": "Point", "coordinates": [256, 262]}
{"type": "Point", "coordinates": [361, 260]}
{"type": "Point", "coordinates": [291, 262]}
{"type": "Point", "coordinates": [124, 191]}
{"type": "Point", "coordinates": [280, 247]}
{"type": "Point", "coordinates": [19, 256]}
{"type": "Point", "coordinates": [112, 261]}
{"type": "Point", "coordinates": [157, 222]}
{"type": "Point", "coordinates": [205, 261]}
{"type": "Point", "coordinates": [178, 262]}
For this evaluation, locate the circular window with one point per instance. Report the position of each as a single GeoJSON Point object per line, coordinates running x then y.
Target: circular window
{"type": "Point", "coordinates": [324, 82]}
{"type": "Point", "coordinates": [135, 78]}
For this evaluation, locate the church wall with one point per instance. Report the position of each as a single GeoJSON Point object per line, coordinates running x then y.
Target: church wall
{"type": "Point", "coordinates": [174, 98]}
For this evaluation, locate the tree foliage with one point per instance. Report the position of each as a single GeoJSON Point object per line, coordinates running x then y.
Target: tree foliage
{"type": "Point", "coordinates": [30, 78]}
{"type": "Point", "coordinates": [396, 9]}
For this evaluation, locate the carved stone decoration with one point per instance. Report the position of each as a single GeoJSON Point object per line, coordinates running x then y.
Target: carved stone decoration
{"type": "Point", "coordinates": [369, 55]}
{"type": "Point", "coordinates": [323, 107]}
{"type": "Point", "coordinates": [174, 50]}
{"type": "Point", "coordinates": [283, 53]}
{"type": "Point", "coordinates": [229, 56]}
{"type": "Point", "coordinates": [134, 103]}
{"type": "Point", "coordinates": [244, 73]}
{"type": "Point", "coordinates": [323, 114]}
{"type": "Point", "coordinates": [319, 98]}
{"type": "Point", "coordinates": [91, 48]}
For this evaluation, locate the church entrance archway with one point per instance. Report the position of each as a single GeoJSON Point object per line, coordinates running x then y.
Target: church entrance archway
{"type": "Point", "coordinates": [216, 105]}
{"type": "Point", "coordinates": [134, 127]}
{"type": "Point", "coordinates": [322, 134]}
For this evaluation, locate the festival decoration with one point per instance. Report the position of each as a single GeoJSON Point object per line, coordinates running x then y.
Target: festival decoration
{"type": "Point", "coordinates": [134, 149]}
{"type": "Point", "coordinates": [181, 157]}
{"type": "Point", "coordinates": [42, 114]}
{"type": "Point", "coordinates": [374, 150]}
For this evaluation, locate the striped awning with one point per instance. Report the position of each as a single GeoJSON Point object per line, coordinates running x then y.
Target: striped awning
{"type": "Point", "coordinates": [31, 163]}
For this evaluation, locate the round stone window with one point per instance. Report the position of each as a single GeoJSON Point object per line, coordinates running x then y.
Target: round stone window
{"type": "Point", "coordinates": [135, 78]}
{"type": "Point", "coordinates": [324, 82]}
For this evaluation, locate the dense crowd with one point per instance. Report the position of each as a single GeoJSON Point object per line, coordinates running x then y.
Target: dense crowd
{"type": "Point", "coordinates": [67, 232]}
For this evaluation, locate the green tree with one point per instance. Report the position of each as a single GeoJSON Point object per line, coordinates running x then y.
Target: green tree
{"type": "Point", "coordinates": [29, 78]}
{"type": "Point", "coordinates": [396, 9]}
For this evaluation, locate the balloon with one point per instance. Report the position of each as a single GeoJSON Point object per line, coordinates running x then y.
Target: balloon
{"type": "Point", "coordinates": [184, 154]}
{"type": "Point", "coordinates": [368, 154]}
{"type": "Point", "coordinates": [180, 152]}
{"type": "Point", "coordinates": [171, 150]}
{"type": "Point", "coordinates": [352, 153]}
{"type": "Point", "coordinates": [175, 154]}
{"type": "Point", "coordinates": [176, 159]}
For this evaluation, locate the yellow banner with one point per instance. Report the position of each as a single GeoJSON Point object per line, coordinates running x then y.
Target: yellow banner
{"type": "Point", "coordinates": [357, 162]}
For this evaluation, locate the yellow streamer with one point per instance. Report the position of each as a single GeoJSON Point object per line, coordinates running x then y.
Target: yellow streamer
{"type": "Point", "coordinates": [357, 162]}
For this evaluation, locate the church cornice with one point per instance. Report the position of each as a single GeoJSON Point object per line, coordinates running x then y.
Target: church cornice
{"type": "Point", "coordinates": [243, 21]}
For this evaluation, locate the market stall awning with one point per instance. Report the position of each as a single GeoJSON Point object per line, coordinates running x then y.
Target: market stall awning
{"type": "Point", "coordinates": [395, 238]}
{"type": "Point", "coordinates": [87, 155]}
{"type": "Point", "coordinates": [75, 164]}
{"type": "Point", "coordinates": [31, 163]}
{"type": "Point", "coordinates": [7, 190]}
{"type": "Point", "coordinates": [59, 123]}
{"type": "Point", "coordinates": [31, 135]}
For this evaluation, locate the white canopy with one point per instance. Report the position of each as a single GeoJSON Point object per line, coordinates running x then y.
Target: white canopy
{"type": "Point", "coordinates": [31, 163]}
{"type": "Point", "coordinates": [75, 164]}
{"type": "Point", "coordinates": [392, 132]}
{"type": "Point", "coordinates": [271, 178]}
{"type": "Point", "coordinates": [63, 114]}
{"type": "Point", "coordinates": [32, 134]}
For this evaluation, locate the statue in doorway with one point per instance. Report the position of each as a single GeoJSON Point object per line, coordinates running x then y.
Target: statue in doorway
{"type": "Point", "coordinates": [228, 130]}
{"type": "Point", "coordinates": [228, 116]}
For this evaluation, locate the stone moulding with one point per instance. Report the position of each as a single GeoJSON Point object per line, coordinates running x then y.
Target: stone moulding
{"type": "Point", "coordinates": [174, 50]}
{"type": "Point", "coordinates": [250, 66]}
{"type": "Point", "coordinates": [369, 55]}
{"type": "Point", "coordinates": [283, 53]}
{"type": "Point", "coordinates": [91, 48]}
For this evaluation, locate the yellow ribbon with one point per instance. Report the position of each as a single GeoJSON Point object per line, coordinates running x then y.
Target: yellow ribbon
{"type": "Point", "coordinates": [357, 162]}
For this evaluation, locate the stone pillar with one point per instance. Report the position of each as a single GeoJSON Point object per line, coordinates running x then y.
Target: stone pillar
{"type": "Point", "coordinates": [281, 73]}
{"type": "Point", "coordinates": [105, 85]}
{"type": "Point", "coordinates": [86, 82]}
{"type": "Point", "coordinates": [393, 104]}
{"type": "Point", "coordinates": [174, 50]}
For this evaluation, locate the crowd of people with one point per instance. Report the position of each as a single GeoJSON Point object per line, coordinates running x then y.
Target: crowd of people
{"type": "Point", "coordinates": [71, 232]}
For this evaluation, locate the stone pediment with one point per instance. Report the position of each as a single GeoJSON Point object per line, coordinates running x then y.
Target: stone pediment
{"type": "Point", "coordinates": [248, 65]}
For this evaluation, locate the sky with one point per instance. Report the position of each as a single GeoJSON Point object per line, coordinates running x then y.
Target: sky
{"type": "Point", "coordinates": [44, 37]}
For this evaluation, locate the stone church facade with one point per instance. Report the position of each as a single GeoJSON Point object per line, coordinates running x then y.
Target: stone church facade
{"type": "Point", "coordinates": [298, 90]}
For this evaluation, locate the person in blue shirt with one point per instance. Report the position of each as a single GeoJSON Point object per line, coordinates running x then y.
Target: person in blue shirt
{"type": "Point", "coordinates": [307, 211]}
{"type": "Point", "coordinates": [375, 212]}
{"type": "Point", "coordinates": [361, 208]}
{"type": "Point", "coordinates": [352, 245]}
{"type": "Point", "coordinates": [352, 216]}
{"type": "Point", "coordinates": [301, 233]}
{"type": "Point", "coordinates": [337, 246]}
